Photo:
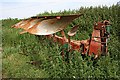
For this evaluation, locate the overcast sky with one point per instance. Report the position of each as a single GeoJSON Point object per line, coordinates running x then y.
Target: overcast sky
{"type": "Point", "coordinates": [28, 8]}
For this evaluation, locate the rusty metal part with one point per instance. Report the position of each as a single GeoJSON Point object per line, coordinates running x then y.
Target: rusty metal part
{"type": "Point", "coordinates": [75, 44]}
{"type": "Point", "coordinates": [95, 47]}
{"type": "Point", "coordinates": [98, 39]}
{"type": "Point", "coordinates": [49, 25]}
{"type": "Point", "coordinates": [45, 25]}
{"type": "Point", "coordinates": [73, 31]}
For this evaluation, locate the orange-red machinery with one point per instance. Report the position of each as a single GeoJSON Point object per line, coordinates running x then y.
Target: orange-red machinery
{"type": "Point", "coordinates": [49, 25]}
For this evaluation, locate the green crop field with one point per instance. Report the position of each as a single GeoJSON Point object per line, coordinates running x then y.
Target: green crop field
{"type": "Point", "coordinates": [30, 56]}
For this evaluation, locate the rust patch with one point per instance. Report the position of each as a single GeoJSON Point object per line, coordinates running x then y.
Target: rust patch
{"type": "Point", "coordinates": [18, 24]}
{"type": "Point", "coordinates": [52, 21]}
{"type": "Point", "coordinates": [25, 27]}
{"type": "Point", "coordinates": [33, 30]}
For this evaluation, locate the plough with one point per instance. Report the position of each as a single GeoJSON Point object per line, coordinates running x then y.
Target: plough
{"type": "Point", "coordinates": [49, 25]}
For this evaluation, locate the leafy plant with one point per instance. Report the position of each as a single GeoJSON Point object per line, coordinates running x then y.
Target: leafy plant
{"type": "Point", "coordinates": [30, 56]}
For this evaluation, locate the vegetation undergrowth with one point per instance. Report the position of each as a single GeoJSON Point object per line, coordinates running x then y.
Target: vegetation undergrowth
{"type": "Point", "coordinates": [29, 56]}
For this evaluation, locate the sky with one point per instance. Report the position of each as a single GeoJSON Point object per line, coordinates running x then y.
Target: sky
{"type": "Point", "coordinates": [28, 8]}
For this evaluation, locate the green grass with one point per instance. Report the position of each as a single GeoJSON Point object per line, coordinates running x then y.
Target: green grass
{"type": "Point", "coordinates": [29, 56]}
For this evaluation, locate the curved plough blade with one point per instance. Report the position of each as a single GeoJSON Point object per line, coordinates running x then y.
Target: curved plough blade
{"type": "Point", "coordinates": [45, 25]}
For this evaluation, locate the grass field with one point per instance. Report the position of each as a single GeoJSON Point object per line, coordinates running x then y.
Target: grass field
{"type": "Point", "coordinates": [29, 56]}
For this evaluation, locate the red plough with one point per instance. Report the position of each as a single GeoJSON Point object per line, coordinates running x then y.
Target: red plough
{"type": "Point", "coordinates": [49, 25]}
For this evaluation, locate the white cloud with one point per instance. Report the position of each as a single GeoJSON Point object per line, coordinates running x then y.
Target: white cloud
{"type": "Point", "coordinates": [28, 8]}
{"type": "Point", "coordinates": [59, 1]}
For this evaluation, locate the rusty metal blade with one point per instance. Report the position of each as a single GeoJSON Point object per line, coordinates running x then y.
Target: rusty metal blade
{"type": "Point", "coordinates": [73, 31]}
{"type": "Point", "coordinates": [45, 25]}
{"type": "Point", "coordinates": [26, 24]}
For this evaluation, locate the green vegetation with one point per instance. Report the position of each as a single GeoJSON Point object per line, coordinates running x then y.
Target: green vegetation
{"type": "Point", "coordinates": [29, 56]}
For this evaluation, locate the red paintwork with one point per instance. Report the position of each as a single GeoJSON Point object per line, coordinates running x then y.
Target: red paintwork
{"type": "Point", "coordinates": [93, 46]}
{"type": "Point", "coordinates": [74, 43]}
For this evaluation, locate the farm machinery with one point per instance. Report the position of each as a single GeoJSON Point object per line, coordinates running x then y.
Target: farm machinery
{"type": "Point", "coordinates": [50, 25]}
